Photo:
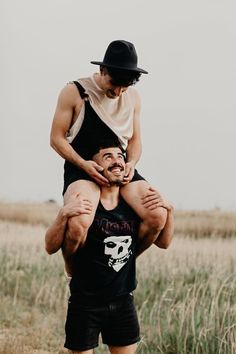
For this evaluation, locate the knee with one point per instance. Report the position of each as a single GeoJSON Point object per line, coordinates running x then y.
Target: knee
{"type": "Point", "coordinates": [156, 219]}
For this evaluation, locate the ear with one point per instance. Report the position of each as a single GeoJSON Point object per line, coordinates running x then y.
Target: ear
{"type": "Point", "coordinates": [95, 158]}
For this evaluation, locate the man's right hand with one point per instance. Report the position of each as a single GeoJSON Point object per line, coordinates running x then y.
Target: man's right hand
{"type": "Point", "coordinates": [77, 205]}
{"type": "Point", "coordinates": [93, 170]}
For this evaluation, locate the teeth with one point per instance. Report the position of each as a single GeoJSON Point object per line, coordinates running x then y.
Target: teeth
{"type": "Point", "coordinates": [116, 169]}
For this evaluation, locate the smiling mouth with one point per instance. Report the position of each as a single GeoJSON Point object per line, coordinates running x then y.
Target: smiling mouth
{"type": "Point", "coordinates": [116, 169]}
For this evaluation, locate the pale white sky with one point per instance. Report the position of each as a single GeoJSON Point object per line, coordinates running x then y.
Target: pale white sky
{"type": "Point", "coordinates": [188, 98]}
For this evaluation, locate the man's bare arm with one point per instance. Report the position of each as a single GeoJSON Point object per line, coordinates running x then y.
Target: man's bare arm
{"type": "Point", "coordinates": [165, 237]}
{"type": "Point", "coordinates": [153, 199]}
{"type": "Point", "coordinates": [68, 100]}
{"type": "Point", "coordinates": [134, 148]}
{"type": "Point", "coordinates": [55, 234]}
{"type": "Point", "coordinates": [68, 107]}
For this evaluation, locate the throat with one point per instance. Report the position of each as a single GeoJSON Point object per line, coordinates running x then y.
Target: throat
{"type": "Point", "coordinates": [109, 200]}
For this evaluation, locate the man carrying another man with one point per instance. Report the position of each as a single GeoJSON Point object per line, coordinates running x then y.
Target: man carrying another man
{"type": "Point", "coordinates": [103, 270]}
{"type": "Point", "coordinates": [105, 105]}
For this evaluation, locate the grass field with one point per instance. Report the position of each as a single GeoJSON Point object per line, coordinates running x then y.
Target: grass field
{"type": "Point", "coordinates": [186, 295]}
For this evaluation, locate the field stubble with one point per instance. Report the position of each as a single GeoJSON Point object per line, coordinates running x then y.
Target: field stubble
{"type": "Point", "coordinates": [186, 296]}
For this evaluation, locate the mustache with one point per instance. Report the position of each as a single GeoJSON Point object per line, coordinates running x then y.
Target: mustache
{"type": "Point", "coordinates": [116, 165]}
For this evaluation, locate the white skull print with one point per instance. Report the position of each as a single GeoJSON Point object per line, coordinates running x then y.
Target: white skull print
{"type": "Point", "coordinates": [117, 247]}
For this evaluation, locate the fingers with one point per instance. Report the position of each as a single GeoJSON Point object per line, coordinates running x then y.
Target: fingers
{"type": "Point", "coordinates": [151, 196]}
{"type": "Point", "coordinates": [102, 181]}
{"type": "Point", "coordinates": [153, 199]}
{"type": "Point", "coordinates": [125, 181]}
{"type": "Point", "coordinates": [98, 177]}
{"type": "Point", "coordinates": [93, 170]}
{"type": "Point", "coordinates": [98, 167]}
{"type": "Point", "coordinates": [78, 206]}
{"type": "Point", "coordinates": [128, 176]}
{"type": "Point", "coordinates": [153, 203]}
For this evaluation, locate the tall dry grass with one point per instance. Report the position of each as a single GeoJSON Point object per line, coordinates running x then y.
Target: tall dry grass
{"type": "Point", "coordinates": [209, 223]}
{"type": "Point", "coordinates": [29, 213]}
{"type": "Point", "coordinates": [33, 292]}
{"type": "Point", "coordinates": [189, 300]}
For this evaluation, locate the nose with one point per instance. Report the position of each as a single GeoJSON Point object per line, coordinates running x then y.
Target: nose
{"type": "Point", "coordinates": [116, 159]}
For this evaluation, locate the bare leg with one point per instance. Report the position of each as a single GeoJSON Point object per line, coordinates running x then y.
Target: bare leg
{"type": "Point", "coordinates": [129, 349]}
{"type": "Point", "coordinates": [78, 226]}
{"type": "Point", "coordinates": [90, 351]}
{"type": "Point", "coordinates": [153, 221]}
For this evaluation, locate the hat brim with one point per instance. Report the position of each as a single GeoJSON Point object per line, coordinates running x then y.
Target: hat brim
{"type": "Point", "coordinates": [139, 70]}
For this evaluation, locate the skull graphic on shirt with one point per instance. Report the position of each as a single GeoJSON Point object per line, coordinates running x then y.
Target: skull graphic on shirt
{"type": "Point", "coordinates": [117, 247]}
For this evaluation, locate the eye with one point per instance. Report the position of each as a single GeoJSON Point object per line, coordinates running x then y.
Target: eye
{"type": "Point", "coordinates": [111, 244]}
{"type": "Point", "coordinates": [107, 156]}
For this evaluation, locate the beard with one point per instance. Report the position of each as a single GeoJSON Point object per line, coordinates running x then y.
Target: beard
{"type": "Point", "coordinates": [114, 180]}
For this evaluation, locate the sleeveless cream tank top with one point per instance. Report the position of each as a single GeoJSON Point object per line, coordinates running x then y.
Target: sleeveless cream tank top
{"type": "Point", "coordinates": [117, 113]}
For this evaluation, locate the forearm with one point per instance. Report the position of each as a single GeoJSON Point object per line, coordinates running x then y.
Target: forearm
{"type": "Point", "coordinates": [165, 237]}
{"type": "Point", "coordinates": [133, 151]}
{"type": "Point", "coordinates": [66, 151]}
{"type": "Point", "coordinates": [55, 234]}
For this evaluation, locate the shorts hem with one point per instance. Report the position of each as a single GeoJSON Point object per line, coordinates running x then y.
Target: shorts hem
{"type": "Point", "coordinates": [124, 343]}
{"type": "Point", "coordinates": [80, 349]}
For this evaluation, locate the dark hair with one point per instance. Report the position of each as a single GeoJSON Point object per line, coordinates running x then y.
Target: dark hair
{"type": "Point", "coordinates": [121, 77]}
{"type": "Point", "coordinates": [107, 143]}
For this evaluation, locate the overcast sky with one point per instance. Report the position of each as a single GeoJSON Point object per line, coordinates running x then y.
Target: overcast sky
{"type": "Point", "coordinates": [188, 99]}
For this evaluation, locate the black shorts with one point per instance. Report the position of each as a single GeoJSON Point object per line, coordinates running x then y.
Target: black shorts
{"type": "Point", "coordinates": [116, 320]}
{"type": "Point", "coordinates": [80, 174]}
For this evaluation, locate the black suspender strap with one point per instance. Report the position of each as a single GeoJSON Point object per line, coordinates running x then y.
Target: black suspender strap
{"type": "Point", "coordinates": [80, 89]}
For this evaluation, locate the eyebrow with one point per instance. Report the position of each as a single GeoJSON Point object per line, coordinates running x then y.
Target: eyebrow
{"type": "Point", "coordinates": [109, 153]}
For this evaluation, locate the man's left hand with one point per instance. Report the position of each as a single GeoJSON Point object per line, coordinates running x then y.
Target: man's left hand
{"type": "Point", "coordinates": [129, 172]}
{"type": "Point", "coordinates": [153, 199]}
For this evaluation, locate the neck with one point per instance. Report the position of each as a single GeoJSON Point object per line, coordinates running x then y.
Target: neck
{"type": "Point", "coordinates": [110, 197]}
{"type": "Point", "coordinates": [97, 79]}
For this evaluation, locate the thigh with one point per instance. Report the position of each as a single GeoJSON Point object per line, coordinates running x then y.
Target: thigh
{"type": "Point", "coordinates": [129, 349]}
{"type": "Point", "coordinates": [83, 352]}
{"type": "Point", "coordinates": [133, 193]}
{"type": "Point", "coordinates": [121, 329]}
{"type": "Point", "coordinates": [88, 190]}
{"type": "Point", "coordinates": [82, 327]}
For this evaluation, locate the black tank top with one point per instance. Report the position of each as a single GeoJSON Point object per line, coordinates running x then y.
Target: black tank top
{"type": "Point", "coordinates": [105, 267]}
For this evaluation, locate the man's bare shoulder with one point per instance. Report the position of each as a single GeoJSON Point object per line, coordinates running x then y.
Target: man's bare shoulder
{"type": "Point", "coordinates": [70, 94]}
{"type": "Point", "coordinates": [134, 94]}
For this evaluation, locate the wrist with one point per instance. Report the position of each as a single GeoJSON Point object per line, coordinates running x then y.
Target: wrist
{"type": "Point", "coordinates": [62, 215]}
{"type": "Point", "coordinates": [81, 164]}
{"type": "Point", "coordinates": [131, 162]}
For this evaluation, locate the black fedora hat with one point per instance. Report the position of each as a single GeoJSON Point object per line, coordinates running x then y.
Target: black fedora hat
{"type": "Point", "coordinates": [121, 55]}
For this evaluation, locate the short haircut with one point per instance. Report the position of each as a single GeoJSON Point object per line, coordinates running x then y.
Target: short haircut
{"type": "Point", "coordinates": [108, 143]}
{"type": "Point", "coordinates": [121, 77]}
